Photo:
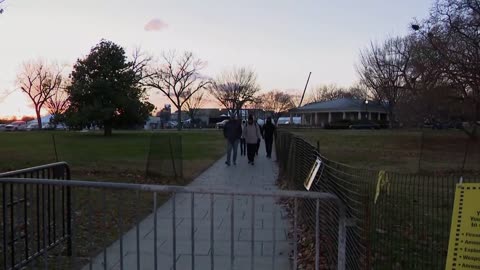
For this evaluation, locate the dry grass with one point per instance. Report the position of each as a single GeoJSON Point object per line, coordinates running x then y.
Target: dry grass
{"type": "Point", "coordinates": [407, 151]}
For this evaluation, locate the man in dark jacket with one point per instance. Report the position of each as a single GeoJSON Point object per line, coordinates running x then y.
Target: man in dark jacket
{"type": "Point", "coordinates": [232, 131]}
{"type": "Point", "coordinates": [268, 133]}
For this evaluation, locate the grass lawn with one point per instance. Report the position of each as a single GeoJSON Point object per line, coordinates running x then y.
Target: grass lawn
{"type": "Point", "coordinates": [102, 215]}
{"type": "Point", "coordinates": [406, 151]}
{"type": "Point", "coordinates": [409, 225]}
{"type": "Point", "coordinates": [117, 157]}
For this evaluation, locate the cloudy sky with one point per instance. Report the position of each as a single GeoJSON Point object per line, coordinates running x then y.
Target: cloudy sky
{"type": "Point", "coordinates": [281, 40]}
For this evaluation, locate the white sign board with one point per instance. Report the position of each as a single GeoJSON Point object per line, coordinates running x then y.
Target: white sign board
{"type": "Point", "coordinates": [313, 172]}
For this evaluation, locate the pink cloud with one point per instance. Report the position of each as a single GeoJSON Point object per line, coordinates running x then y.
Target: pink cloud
{"type": "Point", "coordinates": [155, 25]}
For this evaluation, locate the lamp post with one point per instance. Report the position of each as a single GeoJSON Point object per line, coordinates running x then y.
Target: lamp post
{"type": "Point", "coordinates": [366, 109]}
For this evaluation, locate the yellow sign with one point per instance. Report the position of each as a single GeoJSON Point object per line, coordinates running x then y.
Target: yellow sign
{"type": "Point", "coordinates": [464, 244]}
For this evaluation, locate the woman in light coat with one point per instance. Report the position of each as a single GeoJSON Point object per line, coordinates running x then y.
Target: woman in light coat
{"type": "Point", "coordinates": [252, 135]}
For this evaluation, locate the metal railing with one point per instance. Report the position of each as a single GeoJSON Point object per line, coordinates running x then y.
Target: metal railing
{"type": "Point", "coordinates": [394, 220]}
{"type": "Point", "coordinates": [35, 217]}
{"type": "Point", "coordinates": [206, 228]}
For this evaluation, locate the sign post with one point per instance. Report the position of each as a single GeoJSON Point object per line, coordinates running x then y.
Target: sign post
{"type": "Point", "coordinates": [313, 173]}
{"type": "Point", "coordinates": [464, 244]}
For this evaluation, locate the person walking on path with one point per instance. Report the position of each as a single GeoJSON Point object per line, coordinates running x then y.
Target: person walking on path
{"type": "Point", "coordinates": [258, 142]}
{"type": "Point", "coordinates": [268, 132]}
{"type": "Point", "coordinates": [243, 144]}
{"type": "Point", "coordinates": [252, 134]}
{"type": "Point", "coordinates": [232, 131]}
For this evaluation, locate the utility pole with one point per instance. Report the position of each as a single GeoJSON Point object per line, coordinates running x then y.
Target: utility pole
{"type": "Point", "coordinates": [305, 89]}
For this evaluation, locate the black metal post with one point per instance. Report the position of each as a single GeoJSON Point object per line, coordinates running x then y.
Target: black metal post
{"type": "Point", "coordinates": [69, 214]}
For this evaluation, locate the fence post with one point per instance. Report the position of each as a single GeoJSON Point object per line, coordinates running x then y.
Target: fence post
{"type": "Point", "coordinates": [421, 152]}
{"type": "Point", "coordinates": [342, 236]}
{"type": "Point", "coordinates": [69, 221]}
{"type": "Point", "coordinates": [55, 147]}
{"type": "Point", "coordinates": [180, 141]}
{"type": "Point", "coordinates": [172, 156]}
{"type": "Point", "coordinates": [149, 153]}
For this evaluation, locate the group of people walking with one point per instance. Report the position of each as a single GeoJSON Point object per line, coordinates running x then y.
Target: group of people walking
{"type": "Point", "coordinates": [249, 135]}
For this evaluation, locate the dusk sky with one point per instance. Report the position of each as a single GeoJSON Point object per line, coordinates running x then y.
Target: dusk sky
{"type": "Point", "coordinates": [281, 40]}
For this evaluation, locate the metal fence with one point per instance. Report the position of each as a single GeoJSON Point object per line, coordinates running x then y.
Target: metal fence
{"type": "Point", "coordinates": [154, 154]}
{"type": "Point", "coordinates": [165, 156]}
{"type": "Point", "coordinates": [394, 221]}
{"type": "Point", "coordinates": [35, 217]}
{"type": "Point", "coordinates": [196, 228]}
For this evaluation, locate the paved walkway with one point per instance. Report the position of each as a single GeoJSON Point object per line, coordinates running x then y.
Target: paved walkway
{"type": "Point", "coordinates": [260, 176]}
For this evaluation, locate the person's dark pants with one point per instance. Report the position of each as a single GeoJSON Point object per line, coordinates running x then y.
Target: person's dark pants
{"type": "Point", "coordinates": [251, 150]}
{"type": "Point", "coordinates": [268, 146]}
{"type": "Point", "coordinates": [232, 146]}
{"type": "Point", "coordinates": [243, 147]}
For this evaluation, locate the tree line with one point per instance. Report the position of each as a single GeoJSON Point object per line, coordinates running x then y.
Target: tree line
{"type": "Point", "coordinates": [109, 89]}
{"type": "Point", "coordinates": [431, 73]}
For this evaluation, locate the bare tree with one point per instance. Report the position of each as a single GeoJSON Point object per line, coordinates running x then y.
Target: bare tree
{"type": "Point", "coordinates": [58, 103]}
{"type": "Point", "coordinates": [233, 89]}
{"type": "Point", "coordinates": [194, 103]}
{"type": "Point", "coordinates": [140, 63]}
{"type": "Point", "coordinates": [4, 94]}
{"type": "Point", "coordinates": [178, 78]}
{"type": "Point", "coordinates": [39, 81]}
{"type": "Point", "coordinates": [382, 68]}
{"type": "Point", "coordinates": [332, 91]}
{"type": "Point", "coordinates": [453, 33]}
{"type": "Point", "coordinates": [277, 102]}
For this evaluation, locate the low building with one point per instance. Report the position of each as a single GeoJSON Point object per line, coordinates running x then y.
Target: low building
{"type": "Point", "coordinates": [322, 113]}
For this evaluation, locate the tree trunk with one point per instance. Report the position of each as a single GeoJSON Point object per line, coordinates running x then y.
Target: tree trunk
{"type": "Point", "coordinates": [473, 134]}
{"type": "Point", "coordinates": [107, 128]}
{"type": "Point", "coordinates": [39, 119]}
{"type": "Point", "coordinates": [179, 120]}
{"type": "Point", "coordinates": [390, 117]}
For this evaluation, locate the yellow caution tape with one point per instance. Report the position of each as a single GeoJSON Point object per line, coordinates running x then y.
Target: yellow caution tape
{"type": "Point", "coordinates": [383, 183]}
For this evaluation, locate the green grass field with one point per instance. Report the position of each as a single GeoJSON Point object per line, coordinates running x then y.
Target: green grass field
{"type": "Point", "coordinates": [120, 158]}
{"type": "Point", "coordinates": [406, 151]}
{"type": "Point", "coordinates": [117, 157]}
{"type": "Point", "coordinates": [409, 225]}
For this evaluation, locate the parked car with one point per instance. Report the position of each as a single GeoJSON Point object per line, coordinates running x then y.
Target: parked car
{"type": "Point", "coordinates": [16, 126]}
{"type": "Point", "coordinates": [364, 125]}
{"type": "Point", "coordinates": [341, 124]}
{"type": "Point", "coordinates": [2, 127]}
{"type": "Point", "coordinates": [187, 123]}
{"type": "Point", "coordinates": [221, 124]}
{"type": "Point", "coordinates": [286, 120]}
{"type": "Point", "coordinates": [48, 126]}
{"type": "Point", "coordinates": [32, 126]}
{"type": "Point", "coordinates": [171, 124]}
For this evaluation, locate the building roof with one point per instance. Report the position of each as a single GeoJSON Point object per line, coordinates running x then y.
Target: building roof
{"type": "Point", "coordinates": [342, 105]}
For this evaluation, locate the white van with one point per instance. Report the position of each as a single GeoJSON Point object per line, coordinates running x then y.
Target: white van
{"type": "Point", "coordinates": [16, 126]}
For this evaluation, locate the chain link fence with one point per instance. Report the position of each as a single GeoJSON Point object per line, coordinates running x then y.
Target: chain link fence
{"type": "Point", "coordinates": [394, 220]}
{"type": "Point", "coordinates": [165, 156]}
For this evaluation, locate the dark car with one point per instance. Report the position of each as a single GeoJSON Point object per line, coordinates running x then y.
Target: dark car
{"type": "Point", "coordinates": [364, 125]}
{"type": "Point", "coordinates": [341, 124]}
